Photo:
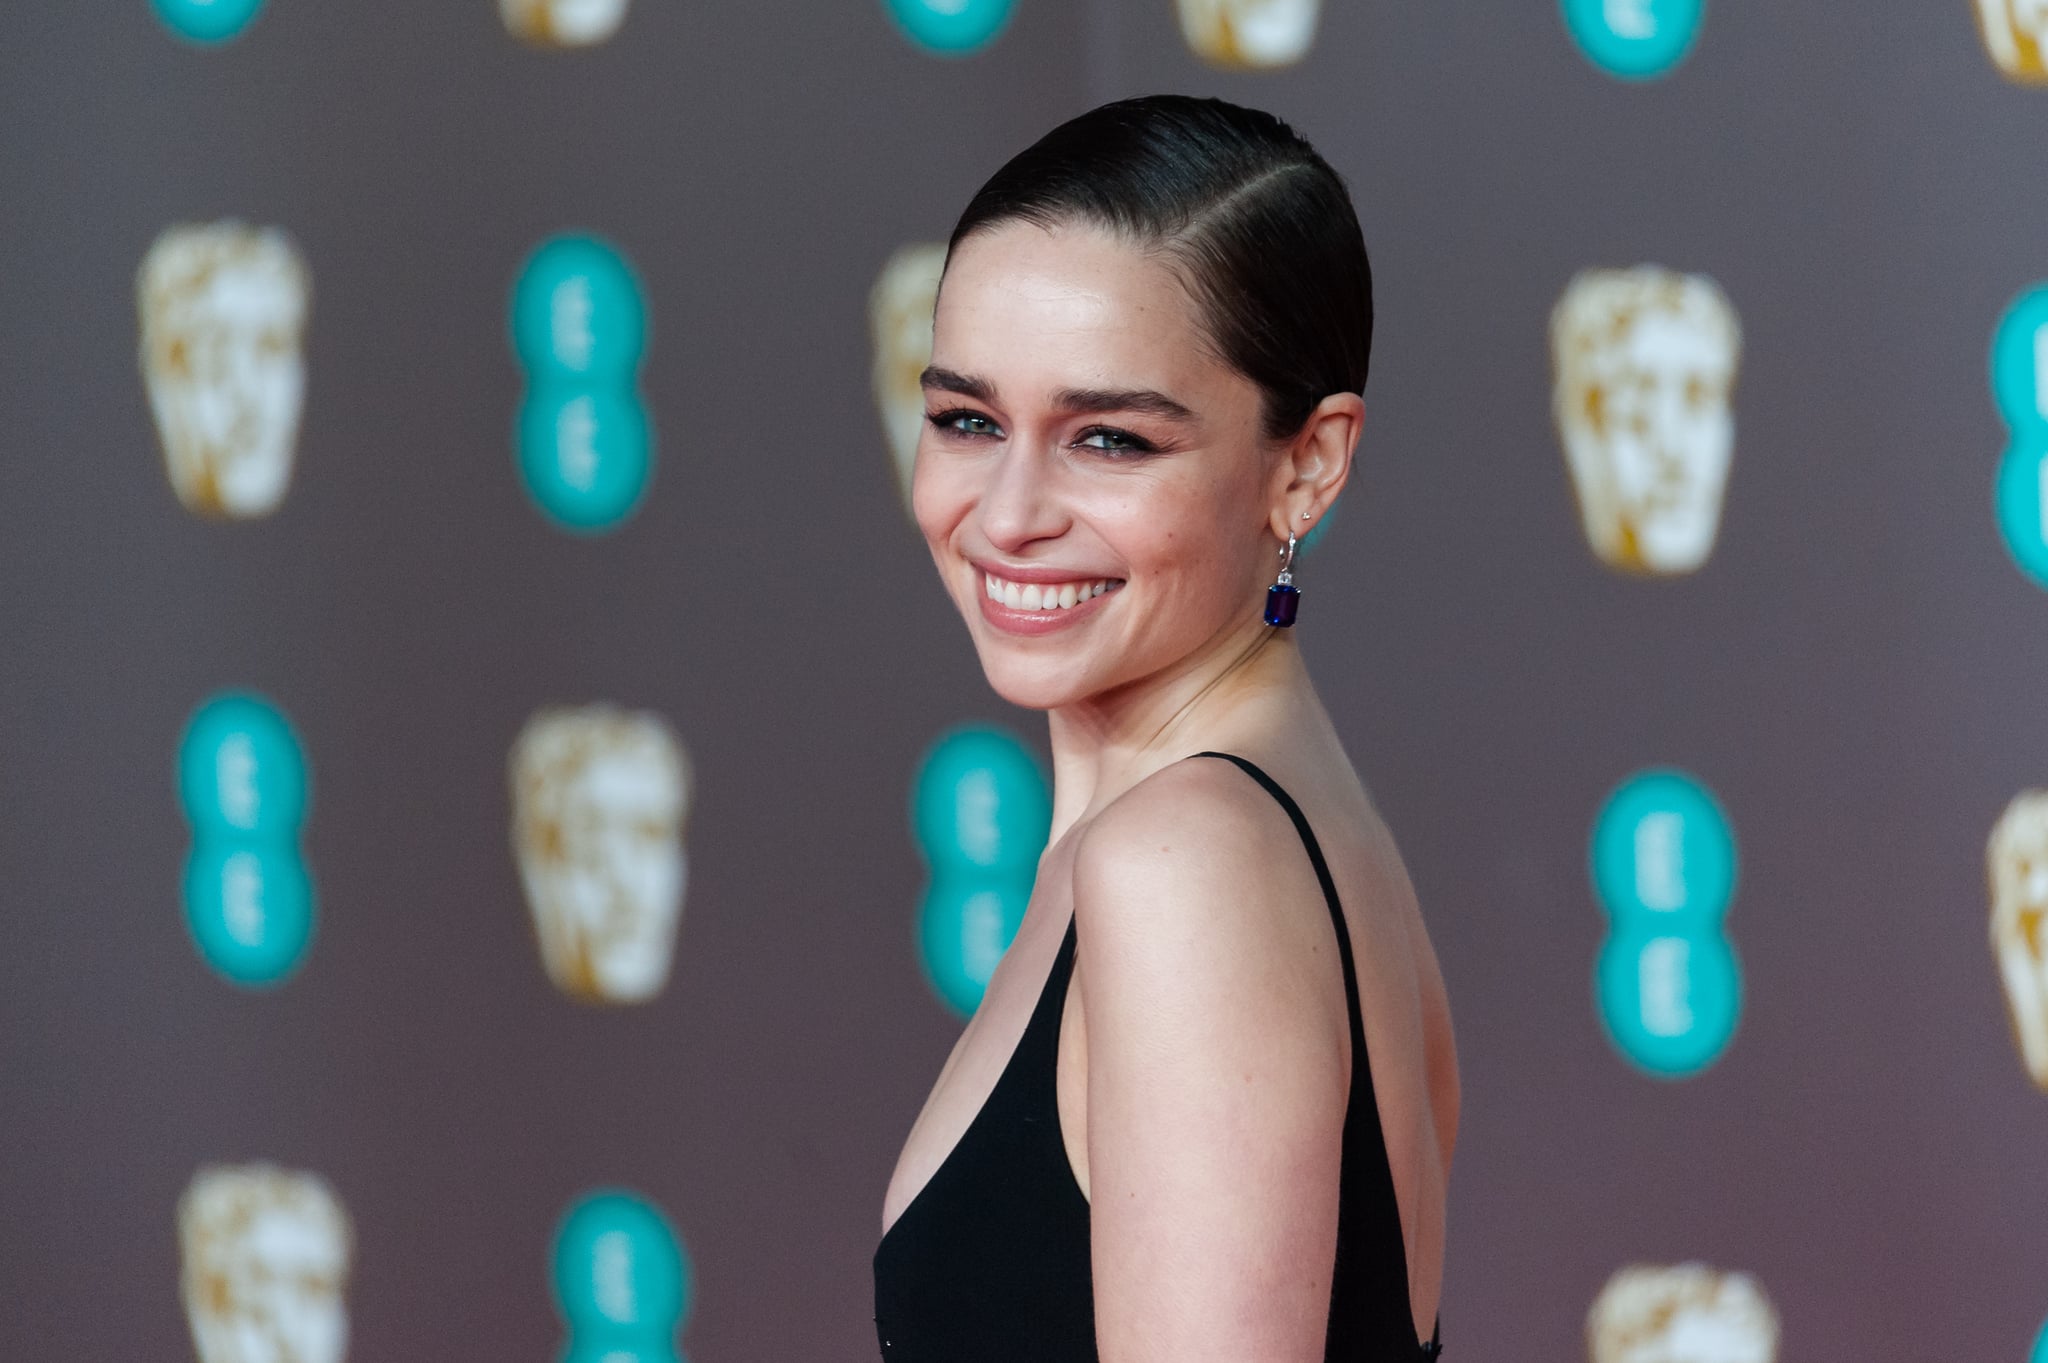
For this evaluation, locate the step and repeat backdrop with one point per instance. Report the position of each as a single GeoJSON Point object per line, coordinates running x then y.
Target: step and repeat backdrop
{"type": "Point", "coordinates": [501, 829]}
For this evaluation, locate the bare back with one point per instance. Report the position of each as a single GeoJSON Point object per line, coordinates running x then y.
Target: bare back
{"type": "Point", "coordinates": [1401, 994]}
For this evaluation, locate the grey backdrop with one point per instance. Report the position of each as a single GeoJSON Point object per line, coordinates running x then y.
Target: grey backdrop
{"type": "Point", "coordinates": [1857, 672]}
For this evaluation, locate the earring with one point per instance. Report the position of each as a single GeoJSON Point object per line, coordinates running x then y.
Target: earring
{"type": "Point", "coordinates": [1283, 598]}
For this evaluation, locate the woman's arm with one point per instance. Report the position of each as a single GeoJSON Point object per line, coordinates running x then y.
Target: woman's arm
{"type": "Point", "coordinates": [1218, 1070]}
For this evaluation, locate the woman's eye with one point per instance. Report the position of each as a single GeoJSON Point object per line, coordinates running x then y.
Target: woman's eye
{"type": "Point", "coordinates": [1115, 441]}
{"type": "Point", "coordinates": [965, 423]}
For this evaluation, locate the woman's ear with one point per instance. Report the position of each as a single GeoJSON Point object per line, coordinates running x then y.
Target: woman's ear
{"type": "Point", "coordinates": [1316, 464]}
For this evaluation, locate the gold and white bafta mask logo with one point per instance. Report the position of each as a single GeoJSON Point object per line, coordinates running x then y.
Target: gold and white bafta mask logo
{"type": "Point", "coordinates": [265, 1262]}
{"type": "Point", "coordinates": [1645, 377]}
{"type": "Point", "coordinates": [1686, 1314]}
{"type": "Point", "coordinates": [900, 310]}
{"type": "Point", "coordinates": [1254, 34]}
{"type": "Point", "coordinates": [2016, 34]}
{"type": "Point", "coordinates": [223, 317]}
{"type": "Point", "coordinates": [562, 23]}
{"type": "Point", "coordinates": [2018, 854]}
{"type": "Point", "coordinates": [600, 797]}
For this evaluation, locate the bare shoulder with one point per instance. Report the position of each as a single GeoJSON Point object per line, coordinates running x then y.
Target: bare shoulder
{"type": "Point", "coordinates": [1216, 1074]}
{"type": "Point", "coordinates": [1194, 883]}
{"type": "Point", "coordinates": [1200, 796]}
{"type": "Point", "coordinates": [1203, 819]}
{"type": "Point", "coordinates": [1197, 872]}
{"type": "Point", "coordinates": [1197, 824]}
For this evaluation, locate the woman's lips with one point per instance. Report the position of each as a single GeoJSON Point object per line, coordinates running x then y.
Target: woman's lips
{"type": "Point", "coordinates": [1032, 608]}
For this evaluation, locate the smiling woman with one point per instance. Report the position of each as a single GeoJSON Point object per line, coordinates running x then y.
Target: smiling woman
{"type": "Point", "coordinates": [1206, 1108]}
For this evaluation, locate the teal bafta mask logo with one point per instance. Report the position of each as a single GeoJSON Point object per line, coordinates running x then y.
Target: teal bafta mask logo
{"type": "Point", "coordinates": [579, 327]}
{"type": "Point", "coordinates": [1634, 39]}
{"type": "Point", "coordinates": [248, 896]}
{"type": "Point", "coordinates": [2019, 385]}
{"type": "Point", "coordinates": [621, 1280]}
{"type": "Point", "coordinates": [2040, 1354]}
{"type": "Point", "coordinates": [1667, 983]}
{"type": "Point", "coordinates": [950, 27]}
{"type": "Point", "coordinates": [980, 813]}
{"type": "Point", "coordinates": [207, 21]}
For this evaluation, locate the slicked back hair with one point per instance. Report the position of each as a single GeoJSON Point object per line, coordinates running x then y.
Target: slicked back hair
{"type": "Point", "coordinates": [1257, 224]}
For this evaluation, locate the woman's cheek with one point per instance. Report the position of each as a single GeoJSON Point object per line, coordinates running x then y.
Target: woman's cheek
{"type": "Point", "coordinates": [933, 505]}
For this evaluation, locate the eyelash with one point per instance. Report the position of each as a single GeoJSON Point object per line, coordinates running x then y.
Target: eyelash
{"type": "Point", "coordinates": [943, 421]}
{"type": "Point", "coordinates": [1127, 444]}
{"type": "Point", "coordinates": [1131, 444]}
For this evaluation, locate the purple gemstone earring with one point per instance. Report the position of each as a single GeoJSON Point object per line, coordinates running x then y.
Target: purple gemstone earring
{"type": "Point", "coordinates": [1283, 598]}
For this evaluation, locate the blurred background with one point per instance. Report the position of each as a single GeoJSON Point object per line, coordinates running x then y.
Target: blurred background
{"type": "Point", "coordinates": [289, 765]}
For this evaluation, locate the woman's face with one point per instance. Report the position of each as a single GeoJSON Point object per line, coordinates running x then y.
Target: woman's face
{"type": "Point", "coordinates": [1091, 479]}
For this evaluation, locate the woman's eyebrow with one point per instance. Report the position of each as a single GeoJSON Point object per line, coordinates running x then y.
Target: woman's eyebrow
{"type": "Point", "coordinates": [946, 381]}
{"type": "Point", "coordinates": [1075, 401]}
{"type": "Point", "coordinates": [1150, 401]}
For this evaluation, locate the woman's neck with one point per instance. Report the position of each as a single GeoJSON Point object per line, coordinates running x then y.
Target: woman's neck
{"type": "Point", "coordinates": [1230, 693]}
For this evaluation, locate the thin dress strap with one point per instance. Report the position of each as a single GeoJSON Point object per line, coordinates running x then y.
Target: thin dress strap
{"type": "Point", "coordinates": [1315, 856]}
{"type": "Point", "coordinates": [1433, 1348]}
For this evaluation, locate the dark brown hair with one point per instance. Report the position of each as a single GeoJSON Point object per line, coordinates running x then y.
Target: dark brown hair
{"type": "Point", "coordinates": [1257, 223]}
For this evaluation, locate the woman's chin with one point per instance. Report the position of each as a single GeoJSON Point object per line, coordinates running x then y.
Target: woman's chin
{"type": "Point", "coordinates": [1036, 686]}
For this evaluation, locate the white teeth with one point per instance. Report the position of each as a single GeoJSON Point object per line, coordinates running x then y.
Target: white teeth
{"type": "Point", "coordinates": [1033, 596]}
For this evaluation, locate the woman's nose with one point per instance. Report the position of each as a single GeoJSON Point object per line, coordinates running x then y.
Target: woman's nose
{"type": "Point", "coordinates": [1021, 503]}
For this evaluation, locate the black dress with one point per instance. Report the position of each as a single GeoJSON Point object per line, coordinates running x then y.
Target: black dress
{"type": "Point", "coordinates": [990, 1261]}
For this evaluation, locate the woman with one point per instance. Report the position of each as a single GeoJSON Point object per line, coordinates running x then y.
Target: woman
{"type": "Point", "coordinates": [1206, 1108]}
